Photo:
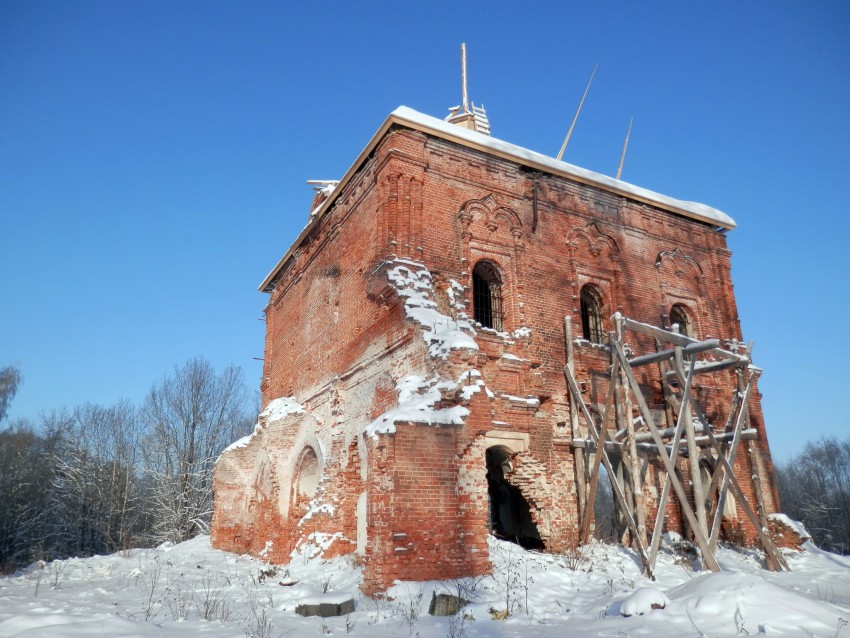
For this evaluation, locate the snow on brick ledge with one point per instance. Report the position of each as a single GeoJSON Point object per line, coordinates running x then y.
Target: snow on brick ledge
{"type": "Point", "coordinates": [276, 409]}
{"type": "Point", "coordinates": [787, 532]}
{"type": "Point", "coordinates": [416, 400]}
{"type": "Point", "coordinates": [412, 281]}
{"type": "Point", "coordinates": [280, 408]}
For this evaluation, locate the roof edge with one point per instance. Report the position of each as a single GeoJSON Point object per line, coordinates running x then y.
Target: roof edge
{"type": "Point", "coordinates": [410, 118]}
{"type": "Point", "coordinates": [325, 205]}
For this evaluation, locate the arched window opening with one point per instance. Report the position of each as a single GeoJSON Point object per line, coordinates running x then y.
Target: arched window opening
{"type": "Point", "coordinates": [510, 514]}
{"type": "Point", "coordinates": [679, 315]}
{"type": "Point", "coordinates": [487, 295]}
{"type": "Point", "coordinates": [307, 475]}
{"type": "Point", "coordinates": [591, 315]}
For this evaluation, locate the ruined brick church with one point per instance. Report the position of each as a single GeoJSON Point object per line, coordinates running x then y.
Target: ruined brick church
{"type": "Point", "coordinates": [413, 385]}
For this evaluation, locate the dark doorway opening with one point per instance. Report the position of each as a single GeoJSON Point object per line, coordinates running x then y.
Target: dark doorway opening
{"type": "Point", "coordinates": [510, 514]}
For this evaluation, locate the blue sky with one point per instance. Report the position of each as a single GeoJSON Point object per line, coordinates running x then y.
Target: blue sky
{"type": "Point", "coordinates": [153, 159]}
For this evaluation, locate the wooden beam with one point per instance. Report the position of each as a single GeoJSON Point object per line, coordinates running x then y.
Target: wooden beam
{"type": "Point", "coordinates": [670, 337]}
{"type": "Point", "coordinates": [650, 448]}
{"type": "Point", "coordinates": [665, 433]}
{"type": "Point", "coordinates": [702, 541]}
{"type": "Point", "coordinates": [693, 452]}
{"type": "Point", "coordinates": [716, 366]}
{"type": "Point", "coordinates": [597, 460]}
{"type": "Point", "coordinates": [730, 461]}
{"type": "Point", "coordinates": [659, 333]}
{"type": "Point", "coordinates": [581, 462]}
{"type": "Point", "coordinates": [632, 457]}
{"type": "Point", "coordinates": [618, 492]}
{"type": "Point", "coordinates": [665, 490]}
{"type": "Point", "coordinates": [756, 477]}
{"type": "Point", "coordinates": [692, 349]}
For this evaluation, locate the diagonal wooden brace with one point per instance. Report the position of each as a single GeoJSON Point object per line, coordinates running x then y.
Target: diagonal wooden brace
{"type": "Point", "coordinates": [618, 492]}
{"type": "Point", "coordinates": [702, 542]}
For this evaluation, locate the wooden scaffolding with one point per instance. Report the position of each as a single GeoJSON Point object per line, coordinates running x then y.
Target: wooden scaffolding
{"type": "Point", "coordinates": [637, 441]}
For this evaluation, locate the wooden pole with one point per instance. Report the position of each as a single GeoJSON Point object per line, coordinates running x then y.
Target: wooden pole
{"type": "Point", "coordinates": [634, 469]}
{"type": "Point", "coordinates": [625, 146]}
{"type": "Point", "coordinates": [657, 530]}
{"type": "Point", "coordinates": [730, 459]}
{"type": "Point", "coordinates": [693, 451]}
{"type": "Point", "coordinates": [597, 459]}
{"type": "Point", "coordinates": [618, 492]}
{"type": "Point", "coordinates": [465, 96]}
{"type": "Point", "coordinates": [623, 475]}
{"type": "Point", "coordinates": [699, 537]}
{"type": "Point", "coordinates": [575, 118]}
{"type": "Point", "coordinates": [581, 461]}
{"type": "Point", "coordinates": [729, 426]}
{"type": "Point", "coordinates": [756, 475]}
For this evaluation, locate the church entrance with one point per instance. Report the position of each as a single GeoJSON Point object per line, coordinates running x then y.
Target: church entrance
{"type": "Point", "coordinates": [510, 514]}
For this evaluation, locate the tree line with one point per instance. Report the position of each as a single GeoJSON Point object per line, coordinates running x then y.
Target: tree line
{"type": "Point", "coordinates": [814, 487]}
{"type": "Point", "coordinates": [96, 479]}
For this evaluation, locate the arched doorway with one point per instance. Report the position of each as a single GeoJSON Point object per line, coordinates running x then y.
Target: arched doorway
{"type": "Point", "coordinates": [510, 514]}
{"type": "Point", "coordinates": [306, 478]}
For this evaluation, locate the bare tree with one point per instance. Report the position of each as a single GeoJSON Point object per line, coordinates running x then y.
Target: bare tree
{"type": "Point", "coordinates": [814, 487]}
{"type": "Point", "coordinates": [26, 475]}
{"type": "Point", "coordinates": [10, 379]}
{"type": "Point", "coordinates": [96, 501]}
{"type": "Point", "coordinates": [190, 416]}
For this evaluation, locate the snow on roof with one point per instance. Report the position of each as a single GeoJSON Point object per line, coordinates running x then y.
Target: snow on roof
{"type": "Point", "coordinates": [538, 160]}
{"type": "Point", "coordinates": [405, 116]}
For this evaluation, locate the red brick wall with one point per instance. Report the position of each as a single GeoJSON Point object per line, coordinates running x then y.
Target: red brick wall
{"type": "Point", "coordinates": [416, 527]}
{"type": "Point", "coordinates": [338, 341]}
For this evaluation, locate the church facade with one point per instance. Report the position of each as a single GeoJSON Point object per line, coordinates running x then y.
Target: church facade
{"type": "Point", "coordinates": [413, 382]}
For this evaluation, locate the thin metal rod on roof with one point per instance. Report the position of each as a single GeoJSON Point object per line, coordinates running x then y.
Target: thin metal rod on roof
{"type": "Point", "coordinates": [465, 102]}
{"type": "Point", "coordinates": [625, 146]}
{"type": "Point", "coordinates": [578, 110]}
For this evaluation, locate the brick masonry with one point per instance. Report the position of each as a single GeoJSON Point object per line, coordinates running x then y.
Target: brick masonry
{"type": "Point", "coordinates": [411, 499]}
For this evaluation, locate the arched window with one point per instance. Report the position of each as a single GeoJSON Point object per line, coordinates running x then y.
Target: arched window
{"type": "Point", "coordinates": [679, 314]}
{"type": "Point", "coordinates": [487, 295]}
{"type": "Point", "coordinates": [307, 475]}
{"type": "Point", "coordinates": [591, 314]}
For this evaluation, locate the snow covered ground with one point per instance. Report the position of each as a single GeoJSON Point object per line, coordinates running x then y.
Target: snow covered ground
{"type": "Point", "coordinates": [191, 589]}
